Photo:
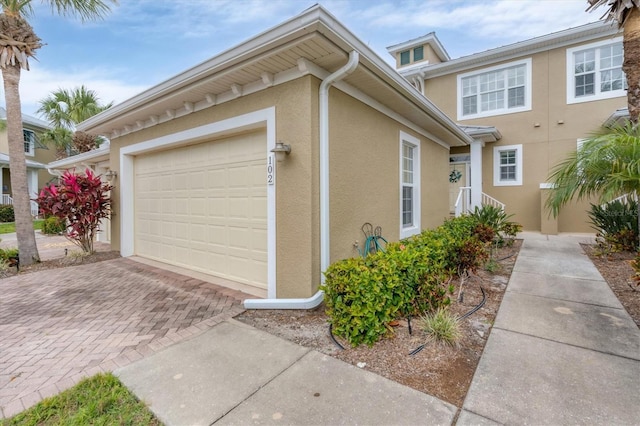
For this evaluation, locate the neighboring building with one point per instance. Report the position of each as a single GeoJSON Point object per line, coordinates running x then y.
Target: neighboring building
{"type": "Point", "coordinates": [199, 187]}
{"type": "Point", "coordinates": [37, 155]}
{"type": "Point", "coordinates": [528, 105]}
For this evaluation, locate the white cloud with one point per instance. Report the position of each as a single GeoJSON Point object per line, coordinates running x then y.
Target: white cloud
{"type": "Point", "coordinates": [39, 83]}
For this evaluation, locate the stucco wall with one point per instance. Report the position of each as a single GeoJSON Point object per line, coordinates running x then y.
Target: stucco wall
{"type": "Point", "coordinates": [365, 175]}
{"type": "Point", "coordinates": [559, 126]}
{"type": "Point", "coordinates": [296, 231]}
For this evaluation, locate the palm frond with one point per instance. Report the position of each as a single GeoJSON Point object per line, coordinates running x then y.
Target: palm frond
{"type": "Point", "coordinates": [607, 165]}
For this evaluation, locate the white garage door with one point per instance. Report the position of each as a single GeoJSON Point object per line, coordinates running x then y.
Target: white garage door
{"type": "Point", "coordinates": [204, 207]}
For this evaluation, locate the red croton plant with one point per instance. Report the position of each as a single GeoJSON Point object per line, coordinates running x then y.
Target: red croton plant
{"type": "Point", "coordinates": [80, 201]}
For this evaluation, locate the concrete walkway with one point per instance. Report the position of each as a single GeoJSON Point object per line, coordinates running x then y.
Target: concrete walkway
{"type": "Point", "coordinates": [562, 349]}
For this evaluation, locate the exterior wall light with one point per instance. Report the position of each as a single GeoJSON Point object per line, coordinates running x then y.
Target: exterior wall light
{"type": "Point", "coordinates": [281, 150]}
{"type": "Point", "coordinates": [111, 174]}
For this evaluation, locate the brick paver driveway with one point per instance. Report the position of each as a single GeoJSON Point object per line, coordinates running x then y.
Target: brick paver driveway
{"type": "Point", "coordinates": [60, 325]}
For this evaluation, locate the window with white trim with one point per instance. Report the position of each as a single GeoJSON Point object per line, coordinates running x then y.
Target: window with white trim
{"type": "Point", "coordinates": [507, 165]}
{"type": "Point", "coordinates": [405, 57]}
{"type": "Point", "coordinates": [418, 53]}
{"type": "Point", "coordinates": [29, 142]}
{"type": "Point", "coordinates": [502, 89]}
{"type": "Point", "coordinates": [409, 185]}
{"type": "Point", "coordinates": [595, 71]}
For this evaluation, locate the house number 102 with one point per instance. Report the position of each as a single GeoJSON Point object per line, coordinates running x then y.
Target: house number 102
{"type": "Point", "coordinates": [271, 170]}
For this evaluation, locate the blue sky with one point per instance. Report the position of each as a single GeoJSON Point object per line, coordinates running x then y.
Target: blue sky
{"type": "Point", "coordinates": [144, 42]}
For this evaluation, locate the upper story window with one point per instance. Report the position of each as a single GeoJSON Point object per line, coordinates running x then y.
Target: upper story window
{"type": "Point", "coordinates": [405, 57]}
{"type": "Point", "coordinates": [412, 55]}
{"type": "Point", "coordinates": [29, 142]}
{"type": "Point", "coordinates": [497, 90]}
{"type": "Point", "coordinates": [595, 72]}
{"type": "Point", "coordinates": [418, 53]}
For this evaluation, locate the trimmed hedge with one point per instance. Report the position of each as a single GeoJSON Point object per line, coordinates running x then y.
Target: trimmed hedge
{"type": "Point", "coordinates": [411, 277]}
{"type": "Point", "coordinates": [53, 226]}
{"type": "Point", "coordinates": [6, 213]}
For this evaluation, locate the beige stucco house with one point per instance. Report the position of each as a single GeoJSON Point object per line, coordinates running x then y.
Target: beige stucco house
{"type": "Point", "coordinates": [527, 105]}
{"type": "Point", "coordinates": [37, 156]}
{"type": "Point", "coordinates": [199, 186]}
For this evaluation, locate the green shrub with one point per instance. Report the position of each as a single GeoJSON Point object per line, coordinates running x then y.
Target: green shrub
{"type": "Point", "coordinates": [6, 254]}
{"type": "Point", "coordinates": [616, 224]}
{"type": "Point", "coordinates": [53, 226]}
{"type": "Point", "coordinates": [6, 213]}
{"type": "Point", "coordinates": [496, 219]}
{"type": "Point", "coordinates": [442, 326]}
{"type": "Point", "coordinates": [412, 276]}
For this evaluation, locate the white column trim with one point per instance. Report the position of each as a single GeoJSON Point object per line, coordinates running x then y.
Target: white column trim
{"type": "Point", "coordinates": [476, 173]}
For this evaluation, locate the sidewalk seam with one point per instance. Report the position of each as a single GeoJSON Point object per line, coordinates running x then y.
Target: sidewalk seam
{"type": "Point", "coordinates": [621, 308]}
{"type": "Point", "coordinates": [476, 414]}
{"type": "Point", "coordinates": [262, 386]}
{"type": "Point", "coordinates": [568, 344]}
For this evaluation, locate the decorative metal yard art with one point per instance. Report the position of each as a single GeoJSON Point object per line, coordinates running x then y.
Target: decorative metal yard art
{"type": "Point", "coordinates": [373, 240]}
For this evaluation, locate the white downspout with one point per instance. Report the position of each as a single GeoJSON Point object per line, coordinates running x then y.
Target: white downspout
{"type": "Point", "coordinates": [325, 249]}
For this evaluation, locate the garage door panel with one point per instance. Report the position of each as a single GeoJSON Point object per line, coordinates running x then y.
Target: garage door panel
{"type": "Point", "coordinates": [204, 207]}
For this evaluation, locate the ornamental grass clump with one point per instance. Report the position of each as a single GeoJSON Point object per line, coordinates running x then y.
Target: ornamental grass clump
{"type": "Point", "coordinates": [80, 201]}
{"type": "Point", "coordinates": [442, 326]}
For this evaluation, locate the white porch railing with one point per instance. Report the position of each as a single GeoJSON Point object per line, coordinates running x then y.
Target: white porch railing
{"type": "Point", "coordinates": [624, 198]}
{"type": "Point", "coordinates": [488, 200]}
{"type": "Point", "coordinates": [6, 199]}
{"type": "Point", "coordinates": [463, 202]}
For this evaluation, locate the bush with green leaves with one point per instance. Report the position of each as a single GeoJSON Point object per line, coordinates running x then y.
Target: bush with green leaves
{"type": "Point", "coordinates": [6, 213]}
{"type": "Point", "coordinates": [616, 224]}
{"type": "Point", "coordinates": [53, 226]}
{"type": "Point", "coordinates": [362, 295]}
{"type": "Point", "coordinates": [498, 220]}
{"type": "Point", "coordinates": [8, 253]}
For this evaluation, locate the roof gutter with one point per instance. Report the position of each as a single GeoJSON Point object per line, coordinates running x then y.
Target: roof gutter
{"type": "Point", "coordinates": [325, 248]}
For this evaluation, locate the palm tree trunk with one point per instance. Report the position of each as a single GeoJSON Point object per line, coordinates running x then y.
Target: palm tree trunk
{"type": "Point", "coordinates": [18, 167]}
{"type": "Point", "coordinates": [631, 65]}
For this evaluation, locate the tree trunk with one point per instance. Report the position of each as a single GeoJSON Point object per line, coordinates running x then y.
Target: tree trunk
{"type": "Point", "coordinates": [631, 65]}
{"type": "Point", "coordinates": [18, 167]}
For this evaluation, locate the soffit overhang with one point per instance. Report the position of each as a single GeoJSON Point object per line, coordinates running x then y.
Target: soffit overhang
{"type": "Point", "coordinates": [312, 43]}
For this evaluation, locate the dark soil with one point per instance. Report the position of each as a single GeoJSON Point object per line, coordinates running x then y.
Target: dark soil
{"type": "Point", "coordinates": [615, 269]}
{"type": "Point", "coordinates": [73, 259]}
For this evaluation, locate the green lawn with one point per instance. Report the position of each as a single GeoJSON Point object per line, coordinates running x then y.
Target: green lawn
{"type": "Point", "coordinates": [98, 400]}
{"type": "Point", "coordinates": [8, 227]}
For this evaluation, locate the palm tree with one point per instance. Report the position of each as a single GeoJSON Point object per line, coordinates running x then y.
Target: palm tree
{"type": "Point", "coordinates": [64, 109]}
{"type": "Point", "coordinates": [607, 166]}
{"type": "Point", "coordinates": [627, 14]}
{"type": "Point", "coordinates": [18, 42]}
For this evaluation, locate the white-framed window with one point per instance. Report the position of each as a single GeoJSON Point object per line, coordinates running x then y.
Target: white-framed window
{"type": "Point", "coordinates": [409, 185]}
{"type": "Point", "coordinates": [405, 57]}
{"type": "Point", "coordinates": [507, 165]}
{"type": "Point", "coordinates": [418, 53]}
{"type": "Point", "coordinates": [594, 71]}
{"type": "Point", "coordinates": [29, 142]}
{"type": "Point", "coordinates": [502, 89]}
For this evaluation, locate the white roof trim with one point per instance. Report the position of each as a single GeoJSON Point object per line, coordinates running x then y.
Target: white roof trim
{"type": "Point", "coordinates": [431, 39]}
{"type": "Point", "coordinates": [27, 119]}
{"type": "Point", "coordinates": [95, 155]}
{"type": "Point", "coordinates": [4, 160]}
{"type": "Point", "coordinates": [314, 19]}
{"type": "Point", "coordinates": [528, 47]}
